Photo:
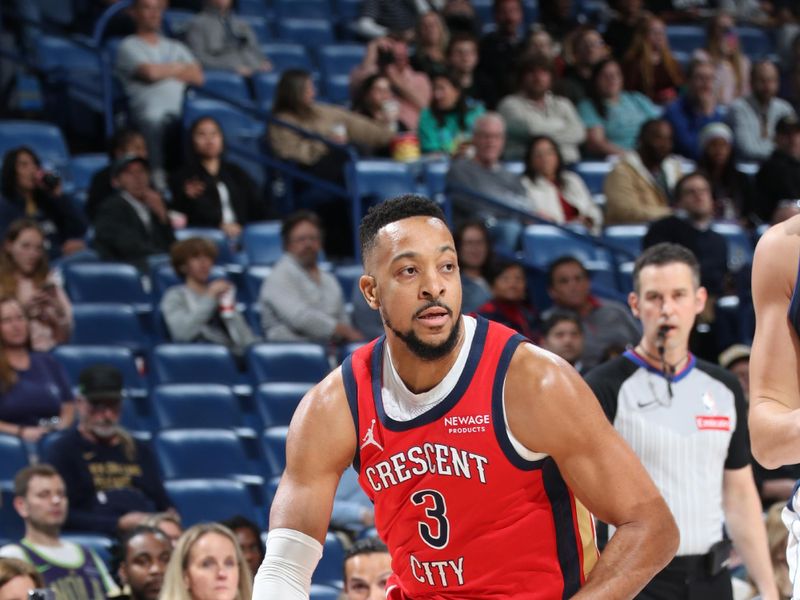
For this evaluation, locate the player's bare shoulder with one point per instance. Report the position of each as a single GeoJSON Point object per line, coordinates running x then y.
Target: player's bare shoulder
{"type": "Point", "coordinates": [776, 258]}
{"type": "Point", "coordinates": [536, 373]}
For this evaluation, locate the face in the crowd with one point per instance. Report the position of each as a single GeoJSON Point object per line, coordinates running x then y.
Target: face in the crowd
{"type": "Point", "coordinates": [696, 199]}
{"type": "Point", "coordinates": [509, 286]}
{"type": "Point", "coordinates": [657, 35]}
{"type": "Point", "coordinates": [417, 289]}
{"type": "Point", "coordinates": [609, 81]}
{"type": "Point", "coordinates": [741, 368]}
{"type": "Point", "coordinates": [100, 416]}
{"type": "Point", "coordinates": [508, 16]}
{"type": "Point", "coordinates": [146, 558]}
{"type": "Point", "coordinates": [198, 268]}
{"type": "Point", "coordinates": [570, 287]}
{"type": "Point", "coordinates": [701, 84]}
{"type": "Point", "coordinates": [251, 547]}
{"type": "Point", "coordinates": [590, 49]}
{"type": "Point", "coordinates": [565, 339]}
{"type": "Point", "coordinates": [365, 576]}
{"type": "Point", "coordinates": [657, 141]}
{"type": "Point", "coordinates": [668, 296]}
{"type": "Point", "coordinates": [766, 82]}
{"type": "Point", "coordinates": [221, 5]}
{"type": "Point", "coordinates": [212, 572]}
{"type": "Point", "coordinates": [17, 588]}
{"type": "Point", "coordinates": [474, 248]}
{"type": "Point", "coordinates": [728, 39]}
{"type": "Point", "coordinates": [134, 179]}
{"type": "Point", "coordinates": [718, 150]}
{"type": "Point", "coordinates": [135, 146]}
{"type": "Point", "coordinates": [13, 325]}
{"type": "Point", "coordinates": [379, 92]}
{"type": "Point", "coordinates": [44, 507]}
{"type": "Point", "coordinates": [537, 82]}
{"type": "Point", "coordinates": [489, 138]}
{"type": "Point", "coordinates": [27, 172]}
{"type": "Point", "coordinates": [463, 56]}
{"type": "Point", "coordinates": [543, 159]}
{"type": "Point", "coordinates": [541, 43]}
{"type": "Point", "coordinates": [207, 139]}
{"type": "Point", "coordinates": [445, 94]}
{"type": "Point", "coordinates": [430, 29]}
{"type": "Point", "coordinates": [27, 250]}
{"type": "Point", "coordinates": [400, 51]}
{"type": "Point", "coordinates": [304, 242]}
{"type": "Point", "coordinates": [148, 15]}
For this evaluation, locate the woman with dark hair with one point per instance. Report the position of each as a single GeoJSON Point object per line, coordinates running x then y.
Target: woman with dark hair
{"type": "Point", "coordinates": [649, 66]}
{"type": "Point", "coordinates": [612, 116]}
{"type": "Point", "coordinates": [556, 193]}
{"type": "Point", "coordinates": [731, 189]}
{"type": "Point", "coordinates": [29, 191]}
{"type": "Point", "coordinates": [26, 276]}
{"type": "Point", "coordinates": [35, 395]}
{"type": "Point", "coordinates": [375, 100]}
{"type": "Point", "coordinates": [446, 126]}
{"type": "Point", "coordinates": [295, 103]}
{"type": "Point", "coordinates": [475, 254]}
{"type": "Point", "coordinates": [509, 302]}
{"type": "Point", "coordinates": [724, 52]}
{"type": "Point", "coordinates": [211, 191]}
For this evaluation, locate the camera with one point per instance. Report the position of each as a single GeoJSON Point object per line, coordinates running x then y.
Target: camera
{"type": "Point", "coordinates": [385, 57]}
{"type": "Point", "coordinates": [50, 180]}
{"type": "Point", "coordinates": [41, 594]}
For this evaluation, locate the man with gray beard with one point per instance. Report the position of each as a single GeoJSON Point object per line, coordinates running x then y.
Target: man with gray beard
{"type": "Point", "coordinates": [112, 479]}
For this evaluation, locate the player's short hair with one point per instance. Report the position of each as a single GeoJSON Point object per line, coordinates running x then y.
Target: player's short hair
{"type": "Point", "coordinates": [662, 254]}
{"type": "Point", "coordinates": [560, 262]}
{"type": "Point", "coordinates": [367, 545]}
{"type": "Point", "coordinates": [122, 546]}
{"type": "Point", "coordinates": [23, 477]}
{"type": "Point", "coordinates": [559, 316]}
{"type": "Point", "coordinates": [396, 209]}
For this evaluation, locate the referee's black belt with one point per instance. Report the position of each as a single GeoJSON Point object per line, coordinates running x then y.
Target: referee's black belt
{"type": "Point", "coordinates": [711, 563]}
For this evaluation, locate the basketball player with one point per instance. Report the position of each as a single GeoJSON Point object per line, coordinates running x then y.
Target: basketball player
{"type": "Point", "coordinates": [484, 455]}
{"type": "Point", "coordinates": [775, 366]}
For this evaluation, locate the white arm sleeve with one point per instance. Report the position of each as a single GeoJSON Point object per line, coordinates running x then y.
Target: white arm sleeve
{"type": "Point", "coordinates": [289, 562]}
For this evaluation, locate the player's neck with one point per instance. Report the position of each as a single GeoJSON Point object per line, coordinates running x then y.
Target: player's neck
{"type": "Point", "coordinates": [419, 375]}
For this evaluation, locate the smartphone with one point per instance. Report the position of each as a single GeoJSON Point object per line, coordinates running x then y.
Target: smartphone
{"type": "Point", "coordinates": [41, 594]}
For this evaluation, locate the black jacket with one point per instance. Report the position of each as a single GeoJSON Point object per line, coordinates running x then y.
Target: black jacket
{"type": "Point", "coordinates": [778, 179]}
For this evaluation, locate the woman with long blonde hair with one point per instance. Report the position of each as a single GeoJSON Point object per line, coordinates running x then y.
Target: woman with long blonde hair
{"type": "Point", "coordinates": [649, 66]}
{"type": "Point", "coordinates": [724, 52]}
{"type": "Point", "coordinates": [207, 564]}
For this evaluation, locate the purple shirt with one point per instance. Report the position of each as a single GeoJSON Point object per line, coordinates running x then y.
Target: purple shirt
{"type": "Point", "coordinates": [38, 394]}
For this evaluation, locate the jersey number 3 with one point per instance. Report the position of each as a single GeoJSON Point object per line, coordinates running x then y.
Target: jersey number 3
{"type": "Point", "coordinates": [436, 533]}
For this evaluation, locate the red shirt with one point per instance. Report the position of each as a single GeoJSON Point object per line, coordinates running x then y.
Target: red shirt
{"type": "Point", "coordinates": [464, 516]}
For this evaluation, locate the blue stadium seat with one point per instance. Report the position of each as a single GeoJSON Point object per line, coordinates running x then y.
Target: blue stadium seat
{"type": "Point", "coordinates": [756, 42]}
{"type": "Point", "coordinates": [176, 21]}
{"type": "Point", "coordinates": [251, 8]}
{"type": "Point", "coordinates": [483, 11]}
{"type": "Point", "coordinates": [196, 406]}
{"type": "Point", "coordinates": [329, 568]}
{"type": "Point", "coordinates": [381, 179]}
{"type": "Point", "coordinates": [594, 174]}
{"type": "Point", "coordinates": [628, 236]}
{"type": "Point", "coordinates": [435, 178]}
{"type": "Point", "coordinates": [278, 401]}
{"type": "Point", "coordinates": [323, 592]}
{"type": "Point", "coordinates": [542, 244]}
{"type": "Point", "coordinates": [227, 84]}
{"type": "Point", "coordinates": [348, 11]}
{"type": "Point", "coordinates": [105, 282]}
{"type": "Point", "coordinates": [347, 349]}
{"type": "Point", "coordinates": [264, 85]}
{"type": "Point", "coordinates": [297, 362]}
{"type": "Point", "coordinates": [82, 167]}
{"type": "Point", "coordinates": [740, 245]}
{"type": "Point", "coordinates": [287, 55]}
{"type": "Point", "coordinates": [57, 11]}
{"type": "Point", "coordinates": [195, 453]}
{"type": "Point", "coordinates": [193, 363]}
{"type": "Point", "coordinates": [262, 242]}
{"type": "Point", "coordinates": [259, 25]}
{"type": "Point", "coordinates": [201, 500]}
{"type": "Point", "coordinates": [221, 241]}
{"type": "Point", "coordinates": [336, 89]}
{"type": "Point", "coordinates": [238, 127]}
{"type": "Point", "coordinates": [58, 56]}
{"type": "Point", "coordinates": [253, 279]}
{"type": "Point", "coordinates": [273, 441]}
{"type": "Point", "coordinates": [347, 276]}
{"type": "Point", "coordinates": [340, 59]}
{"type": "Point", "coordinates": [103, 324]}
{"type": "Point", "coordinates": [13, 457]}
{"type": "Point", "coordinates": [102, 545]}
{"type": "Point", "coordinates": [303, 9]}
{"type": "Point", "coordinates": [12, 527]}
{"type": "Point", "coordinates": [76, 358]}
{"type": "Point", "coordinates": [309, 32]}
{"type": "Point", "coordinates": [686, 38]}
{"type": "Point", "coordinates": [45, 140]}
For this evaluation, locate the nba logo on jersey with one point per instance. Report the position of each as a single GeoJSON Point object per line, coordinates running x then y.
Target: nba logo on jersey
{"type": "Point", "coordinates": [709, 403]}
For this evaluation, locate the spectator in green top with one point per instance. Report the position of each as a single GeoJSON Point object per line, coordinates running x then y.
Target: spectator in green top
{"type": "Point", "coordinates": [446, 126]}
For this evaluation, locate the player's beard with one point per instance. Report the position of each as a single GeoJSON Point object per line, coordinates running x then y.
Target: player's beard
{"type": "Point", "coordinates": [423, 350]}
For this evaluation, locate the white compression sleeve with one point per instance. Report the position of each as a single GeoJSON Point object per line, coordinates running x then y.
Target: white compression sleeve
{"type": "Point", "coordinates": [289, 562]}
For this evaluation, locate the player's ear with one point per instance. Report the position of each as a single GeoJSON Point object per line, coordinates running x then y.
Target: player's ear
{"type": "Point", "coordinates": [633, 302]}
{"type": "Point", "coordinates": [368, 287]}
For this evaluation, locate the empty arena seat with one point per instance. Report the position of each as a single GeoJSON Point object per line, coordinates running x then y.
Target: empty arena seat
{"type": "Point", "coordinates": [627, 236]}
{"type": "Point", "coordinates": [76, 358]}
{"type": "Point", "coordinates": [226, 83]}
{"type": "Point", "coordinates": [176, 21]}
{"type": "Point", "coordinates": [303, 9]}
{"type": "Point", "coordinates": [348, 275]}
{"type": "Point", "coordinates": [287, 55]}
{"type": "Point", "coordinates": [297, 362]}
{"type": "Point", "coordinates": [13, 457]}
{"type": "Point", "coordinates": [105, 282]}
{"type": "Point", "coordinates": [264, 85]}
{"type": "Point", "coordinates": [193, 363]}
{"type": "Point", "coordinates": [340, 59]}
{"type": "Point", "coordinates": [253, 279]}
{"type": "Point", "coordinates": [262, 242]}
{"type": "Point", "coordinates": [323, 592]}
{"type": "Point", "coordinates": [201, 500]}
{"type": "Point", "coordinates": [194, 453]}
{"type": "Point", "coordinates": [103, 324]}
{"type": "Point", "coordinates": [336, 88]}
{"type": "Point", "coordinates": [757, 43]}
{"type": "Point", "coordinates": [82, 167]}
{"type": "Point", "coordinates": [12, 527]}
{"type": "Point", "coordinates": [594, 174]}
{"type": "Point", "coordinates": [259, 26]}
{"type": "Point", "coordinates": [329, 568]}
{"type": "Point", "coordinates": [273, 442]}
{"type": "Point", "coordinates": [381, 179]}
{"type": "Point", "coordinates": [686, 38]}
{"type": "Point", "coordinates": [58, 56]}
{"type": "Point", "coordinates": [277, 401]}
{"type": "Point", "coordinates": [542, 244]}
{"type": "Point", "coordinates": [194, 405]}
{"type": "Point", "coordinates": [309, 32]}
{"type": "Point", "coordinates": [221, 241]}
{"type": "Point", "coordinates": [740, 244]}
{"type": "Point", "coordinates": [44, 139]}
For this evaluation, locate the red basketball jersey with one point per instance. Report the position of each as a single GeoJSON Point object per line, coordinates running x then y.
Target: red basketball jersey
{"type": "Point", "coordinates": [464, 516]}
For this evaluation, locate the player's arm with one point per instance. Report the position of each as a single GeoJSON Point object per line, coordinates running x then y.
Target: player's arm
{"type": "Point", "coordinates": [319, 447]}
{"type": "Point", "coordinates": [746, 528]}
{"type": "Point", "coordinates": [774, 374]}
{"type": "Point", "coordinates": [550, 409]}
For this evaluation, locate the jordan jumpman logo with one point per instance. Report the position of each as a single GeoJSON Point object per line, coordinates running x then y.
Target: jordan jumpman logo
{"type": "Point", "coordinates": [369, 438]}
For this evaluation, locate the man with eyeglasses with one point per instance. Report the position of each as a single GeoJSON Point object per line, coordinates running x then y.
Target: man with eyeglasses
{"type": "Point", "coordinates": [686, 419]}
{"type": "Point", "coordinates": [73, 571]}
{"type": "Point", "coordinates": [112, 478]}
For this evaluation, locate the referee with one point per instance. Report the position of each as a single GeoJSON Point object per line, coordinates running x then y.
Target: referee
{"type": "Point", "coordinates": [686, 419]}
